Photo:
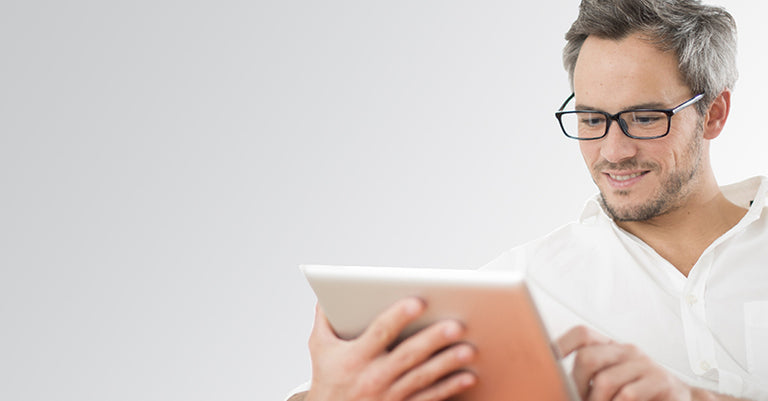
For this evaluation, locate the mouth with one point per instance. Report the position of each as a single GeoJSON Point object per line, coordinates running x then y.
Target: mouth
{"type": "Point", "coordinates": [624, 179]}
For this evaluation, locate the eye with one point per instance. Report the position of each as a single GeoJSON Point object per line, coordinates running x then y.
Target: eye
{"type": "Point", "coordinates": [592, 120]}
{"type": "Point", "coordinates": [647, 118]}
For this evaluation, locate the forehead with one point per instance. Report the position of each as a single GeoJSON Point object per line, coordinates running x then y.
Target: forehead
{"type": "Point", "coordinates": [617, 74]}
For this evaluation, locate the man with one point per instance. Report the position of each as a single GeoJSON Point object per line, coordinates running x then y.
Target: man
{"type": "Point", "coordinates": [668, 271]}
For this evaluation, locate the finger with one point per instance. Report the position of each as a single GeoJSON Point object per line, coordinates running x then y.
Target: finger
{"type": "Point", "coordinates": [446, 388]}
{"type": "Point", "coordinates": [385, 329]}
{"type": "Point", "coordinates": [644, 380]}
{"type": "Point", "coordinates": [429, 373]}
{"type": "Point", "coordinates": [578, 337]}
{"type": "Point", "coordinates": [646, 388]}
{"type": "Point", "coordinates": [421, 346]}
{"type": "Point", "coordinates": [592, 359]}
{"type": "Point", "coordinates": [607, 383]}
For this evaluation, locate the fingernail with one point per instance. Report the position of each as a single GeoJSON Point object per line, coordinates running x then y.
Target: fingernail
{"type": "Point", "coordinates": [452, 330]}
{"type": "Point", "coordinates": [464, 354]}
{"type": "Point", "coordinates": [414, 306]}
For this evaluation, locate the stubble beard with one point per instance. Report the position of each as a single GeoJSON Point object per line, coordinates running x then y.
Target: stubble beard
{"type": "Point", "coordinates": [674, 189]}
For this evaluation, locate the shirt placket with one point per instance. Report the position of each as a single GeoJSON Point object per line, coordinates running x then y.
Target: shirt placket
{"type": "Point", "coordinates": [701, 344]}
{"type": "Point", "coordinates": [693, 310]}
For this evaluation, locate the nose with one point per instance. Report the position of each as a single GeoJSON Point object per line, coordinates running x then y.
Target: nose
{"type": "Point", "coordinates": [616, 146]}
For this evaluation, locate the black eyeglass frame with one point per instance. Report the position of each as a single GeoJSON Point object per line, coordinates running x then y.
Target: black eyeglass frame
{"type": "Point", "coordinates": [617, 117]}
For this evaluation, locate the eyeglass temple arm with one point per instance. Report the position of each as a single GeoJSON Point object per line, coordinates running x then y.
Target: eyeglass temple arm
{"type": "Point", "coordinates": [688, 103]}
{"type": "Point", "coordinates": [566, 102]}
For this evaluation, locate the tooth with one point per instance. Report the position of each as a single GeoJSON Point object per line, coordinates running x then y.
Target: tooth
{"type": "Point", "coordinates": [624, 177]}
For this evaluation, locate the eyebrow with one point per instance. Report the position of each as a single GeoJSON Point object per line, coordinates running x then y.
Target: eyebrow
{"type": "Point", "coordinates": [651, 105]}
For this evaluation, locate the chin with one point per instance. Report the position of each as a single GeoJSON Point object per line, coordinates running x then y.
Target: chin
{"type": "Point", "coordinates": [622, 211]}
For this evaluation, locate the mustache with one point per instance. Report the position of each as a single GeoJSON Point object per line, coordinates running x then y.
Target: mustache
{"type": "Point", "coordinates": [629, 164]}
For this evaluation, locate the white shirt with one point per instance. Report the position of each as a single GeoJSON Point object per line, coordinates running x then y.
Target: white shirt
{"type": "Point", "coordinates": [710, 328]}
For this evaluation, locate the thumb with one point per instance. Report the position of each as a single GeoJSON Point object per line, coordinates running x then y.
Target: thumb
{"type": "Point", "coordinates": [322, 332]}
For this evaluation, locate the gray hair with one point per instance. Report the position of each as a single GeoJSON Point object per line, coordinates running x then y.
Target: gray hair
{"type": "Point", "coordinates": [702, 37]}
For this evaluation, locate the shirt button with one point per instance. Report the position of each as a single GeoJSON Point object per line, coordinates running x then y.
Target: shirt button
{"type": "Point", "coordinates": [704, 365]}
{"type": "Point", "coordinates": [691, 299]}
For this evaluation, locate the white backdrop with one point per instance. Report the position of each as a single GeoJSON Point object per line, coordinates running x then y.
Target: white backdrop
{"type": "Point", "coordinates": [165, 166]}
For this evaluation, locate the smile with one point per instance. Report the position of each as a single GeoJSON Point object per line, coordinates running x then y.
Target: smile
{"type": "Point", "coordinates": [626, 176]}
{"type": "Point", "coordinates": [624, 180]}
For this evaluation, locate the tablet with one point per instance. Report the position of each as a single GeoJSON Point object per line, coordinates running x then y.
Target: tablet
{"type": "Point", "coordinates": [515, 358]}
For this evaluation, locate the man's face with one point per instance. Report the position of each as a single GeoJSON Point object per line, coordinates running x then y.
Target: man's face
{"type": "Point", "coordinates": [638, 179]}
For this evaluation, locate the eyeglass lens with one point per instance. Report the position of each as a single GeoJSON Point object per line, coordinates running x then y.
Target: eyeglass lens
{"type": "Point", "coordinates": [642, 124]}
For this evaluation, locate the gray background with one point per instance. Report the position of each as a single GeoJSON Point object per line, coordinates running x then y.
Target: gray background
{"type": "Point", "coordinates": [166, 165]}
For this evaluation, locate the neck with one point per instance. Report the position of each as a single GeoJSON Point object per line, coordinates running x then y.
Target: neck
{"type": "Point", "coordinates": [681, 235]}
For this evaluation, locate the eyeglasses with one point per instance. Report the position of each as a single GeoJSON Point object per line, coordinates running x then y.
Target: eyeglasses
{"type": "Point", "coordinates": [586, 125]}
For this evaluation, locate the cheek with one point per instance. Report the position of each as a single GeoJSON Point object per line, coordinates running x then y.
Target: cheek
{"type": "Point", "coordinates": [672, 152]}
{"type": "Point", "coordinates": [590, 151]}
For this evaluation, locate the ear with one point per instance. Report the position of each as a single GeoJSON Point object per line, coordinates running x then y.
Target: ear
{"type": "Point", "coordinates": [717, 114]}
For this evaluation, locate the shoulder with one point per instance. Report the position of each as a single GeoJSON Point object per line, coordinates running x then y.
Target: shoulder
{"type": "Point", "coordinates": [568, 242]}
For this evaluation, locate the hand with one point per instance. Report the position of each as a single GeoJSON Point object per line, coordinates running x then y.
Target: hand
{"type": "Point", "coordinates": [606, 370]}
{"type": "Point", "coordinates": [424, 367]}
